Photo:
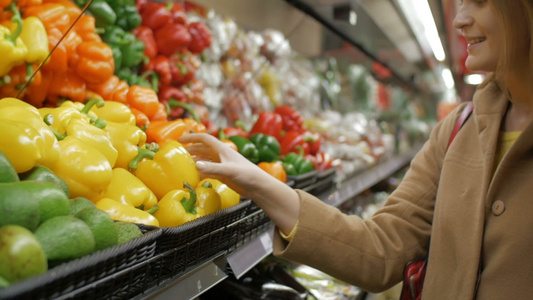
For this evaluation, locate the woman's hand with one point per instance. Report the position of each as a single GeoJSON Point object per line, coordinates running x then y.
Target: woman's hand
{"type": "Point", "coordinates": [214, 159]}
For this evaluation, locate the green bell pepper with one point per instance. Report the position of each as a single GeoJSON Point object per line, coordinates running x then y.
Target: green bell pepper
{"type": "Point", "coordinates": [295, 164]}
{"type": "Point", "coordinates": [133, 52]}
{"type": "Point", "coordinates": [133, 78]}
{"type": "Point", "coordinates": [128, 18]}
{"type": "Point", "coordinates": [267, 145]}
{"type": "Point", "coordinates": [246, 148]}
{"type": "Point", "coordinates": [29, 203]}
{"type": "Point", "coordinates": [42, 173]}
{"type": "Point", "coordinates": [7, 171]}
{"type": "Point", "coordinates": [103, 14]}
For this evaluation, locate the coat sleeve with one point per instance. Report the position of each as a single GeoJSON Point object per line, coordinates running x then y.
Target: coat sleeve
{"type": "Point", "coordinates": [372, 253]}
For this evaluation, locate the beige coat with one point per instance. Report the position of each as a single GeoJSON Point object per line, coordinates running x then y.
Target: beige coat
{"type": "Point", "coordinates": [477, 217]}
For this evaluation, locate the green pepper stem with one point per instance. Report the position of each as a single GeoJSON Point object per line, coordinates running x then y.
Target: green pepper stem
{"type": "Point", "coordinates": [99, 122]}
{"type": "Point", "coordinates": [16, 19]}
{"type": "Point", "coordinates": [207, 185]}
{"type": "Point", "coordinates": [90, 104]}
{"type": "Point", "coordinates": [143, 153]}
{"type": "Point", "coordinates": [49, 120]}
{"type": "Point", "coordinates": [222, 135]}
{"type": "Point", "coordinates": [189, 204]}
{"type": "Point", "coordinates": [153, 209]}
{"type": "Point", "coordinates": [5, 80]}
{"type": "Point", "coordinates": [241, 125]}
{"type": "Point", "coordinates": [175, 103]}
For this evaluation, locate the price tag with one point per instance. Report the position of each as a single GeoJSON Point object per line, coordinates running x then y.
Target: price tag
{"type": "Point", "coordinates": [246, 257]}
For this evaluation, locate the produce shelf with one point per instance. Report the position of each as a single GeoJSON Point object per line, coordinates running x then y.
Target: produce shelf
{"type": "Point", "coordinates": [337, 195]}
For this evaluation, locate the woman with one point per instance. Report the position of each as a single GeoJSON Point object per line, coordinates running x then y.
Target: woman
{"type": "Point", "coordinates": [473, 200]}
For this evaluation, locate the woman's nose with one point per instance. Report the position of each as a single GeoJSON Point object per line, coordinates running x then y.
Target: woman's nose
{"type": "Point", "coordinates": [462, 19]}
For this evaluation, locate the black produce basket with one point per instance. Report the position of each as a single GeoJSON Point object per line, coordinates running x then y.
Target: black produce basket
{"type": "Point", "coordinates": [182, 248]}
{"type": "Point", "coordinates": [324, 180]}
{"type": "Point", "coordinates": [304, 180]}
{"type": "Point", "coordinates": [118, 272]}
{"type": "Point", "coordinates": [252, 225]}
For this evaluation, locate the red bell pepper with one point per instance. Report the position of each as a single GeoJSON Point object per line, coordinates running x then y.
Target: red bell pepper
{"type": "Point", "coordinates": [172, 38]}
{"type": "Point", "coordinates": [313, 140]}
{"type": "Point", "coordinates": [200, 37]}
{"type": "Point", "coordinates": [268, 123]}
{"type": "Point", "coordinates": [166, 94]}
{"type": "Point", "coordinates": [155, 15]}
{"type": "Point", "coordinates": [239, 130]}
{"type": "Point", "coordinates": [323, 161]}
{"type": "Point", "coordinates": [146, 35]}
{"type": "Point", "coordinates": [160, 65]}
{"type": "Point", "coordinates": [178, 14]}
{"type": "Point", "coordinates": [183, 68]}
{"type": "Point", "coordinates": [292, 119]}
{"type": "Point", "coordinates": [294, 141]}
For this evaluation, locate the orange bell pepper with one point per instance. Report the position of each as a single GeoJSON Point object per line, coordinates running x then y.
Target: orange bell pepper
{"type": "Point", "coordinates": [58, 60]}
{"type": "Point", "coordinates": [37, 90]}
{"type": "Point", "coordinates": [95, 62]}
{"type": "Point", "coordinates": [121, 92]}
{"type": "Point", "coordinates": [105, 88]}
{"type": "Point", "coordinates": [66, 85]}
{"type": "Point", "coordinates": [161, 114]}
{"type": "Point", "coordinates": [275, 169]}
{"type": "Point", "coordinates": [141, 119]}
{"type": "Point", "coordinates": [144, 99]}
{"type": "Point", "coordinates": [53, 15]}
{"type": "Point", "coordinates": [19, 75]}
{"type": "Point", "coordinates": [163, 131]}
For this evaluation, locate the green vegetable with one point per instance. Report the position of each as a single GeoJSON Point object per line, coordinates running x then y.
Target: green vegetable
{"type": "Point", "coordinates": [42, 173]}
{"type": "Point", "coordinates": [103, 14]}
{"type": "Point", "coordinates": [132, 53]}
{"type": "Point", "coordinates": [295, 164]}
{"type": "Point", "coordinates": [7, 171]}
{"type": "Point", "coordinates": [128, 17]}
{"type": "Point", "coordinates": [246, 148]}
{"type": "Point", "coordinates": [267, 145]}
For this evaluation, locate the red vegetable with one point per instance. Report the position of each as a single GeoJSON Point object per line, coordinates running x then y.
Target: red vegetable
{"type": "Point", "coordinates": [161, 66]}
{"type": "Point", "coordinates": [292, 119]}
{"type": "Point", "coordinates": [146, 35]}
{"type": "Point", "coordinates": [200, 37]}
{"type": "Point", "coordinates": [172, 38]}
{"type": "Point", "coordinates": [268, 123]}
{"type": "Point", "coordinates": [155, 15]}
{"type": "Point", "coordinates": [293, 141]}
{"type": "Point", "coordinates": [183, 68]}
{"type": "Point", "coordinates": [166, 94]}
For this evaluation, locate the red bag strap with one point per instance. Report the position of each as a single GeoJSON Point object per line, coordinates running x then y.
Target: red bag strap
{"type": "Point", "coordinates": [467, 110]}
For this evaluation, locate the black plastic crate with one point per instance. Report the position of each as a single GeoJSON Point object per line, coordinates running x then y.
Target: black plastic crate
{"type": "Point", "coordinates": [106, 274]}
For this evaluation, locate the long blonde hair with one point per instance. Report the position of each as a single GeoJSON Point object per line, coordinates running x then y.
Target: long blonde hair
{"type": "Point", "coordinates": [516, 19]}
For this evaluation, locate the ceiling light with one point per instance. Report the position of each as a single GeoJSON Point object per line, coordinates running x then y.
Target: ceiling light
{"type": "Point", "coordinates": [474, 79]}
{"type": "Point", "coordinates": [344, 12]}
{"type": "Point", "coordinates": [418, 14]}
{"type": "Point", "coordinates": [448, 78]}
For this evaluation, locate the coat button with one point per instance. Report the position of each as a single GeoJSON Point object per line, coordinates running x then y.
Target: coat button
{"type": "Point", "coordinates": [498, 207]}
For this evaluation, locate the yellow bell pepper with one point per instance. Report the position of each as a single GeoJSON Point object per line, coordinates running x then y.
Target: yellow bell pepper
{"type": "Point", "coordinates": [126, 139]}
{"type": "Point", "coordinates": [35, 38]}
{"type": "Point", "coordinates": [125, 213]}
{"type": "Point", "coordinates": [13, 49]}
{"type": "Point", "coordinates": [93, 135]}
{"type": "Point", "coordinates": [208, 198]}
{"type": "Point", "coordinates": [69, 111]}
{"type": "Point", "coordinates": [18, 110]}
{"type": "Point", "coordinates": [86, 170]}
{"type": "Point", "coordinates": [167, 169]}
{"type": "Point", "coordinates": [21, 144]}
{"type": "Point", "coordinates": [115, 112]}
{"type": "Point", "coordinates": [130, 190]}
{"type": "Point", "coordinates": [178, 207]}
{"type": "Point", "coordinates": [228, 197]}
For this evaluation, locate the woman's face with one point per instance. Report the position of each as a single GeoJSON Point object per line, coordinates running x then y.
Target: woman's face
{"type": "Point", "coordinates": [484, 35]}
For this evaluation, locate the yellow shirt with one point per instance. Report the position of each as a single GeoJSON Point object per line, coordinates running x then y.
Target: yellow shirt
{"type": "Point", "coordinates": [505, 141]}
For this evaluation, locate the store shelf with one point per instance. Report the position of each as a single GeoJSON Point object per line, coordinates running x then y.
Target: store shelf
{"type": "Point", "coordinates": [210, 273]}
{"type": "Point", "coordinates": [337, 195]}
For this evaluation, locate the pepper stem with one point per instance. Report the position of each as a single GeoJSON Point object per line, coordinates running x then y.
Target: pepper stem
{"type": "Point", "coordinates": [241, 125]}
{"type": "Point", "coordinates": [16, 19]}
{"type": "Point", "coordinates": [49, 120]}
{"type": "Point", "coordinates": [143, 153]}
{"type": "Point", "coordinates": [175, 103]}
{"type": "Point", "coordinates": [189, 204]}
{"type": "Point", "coordinates": [99, 122]}
{"type": "Point", "coordinates": [90, 104]}
{"type": "Point", "coordinates": [153, 209]}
